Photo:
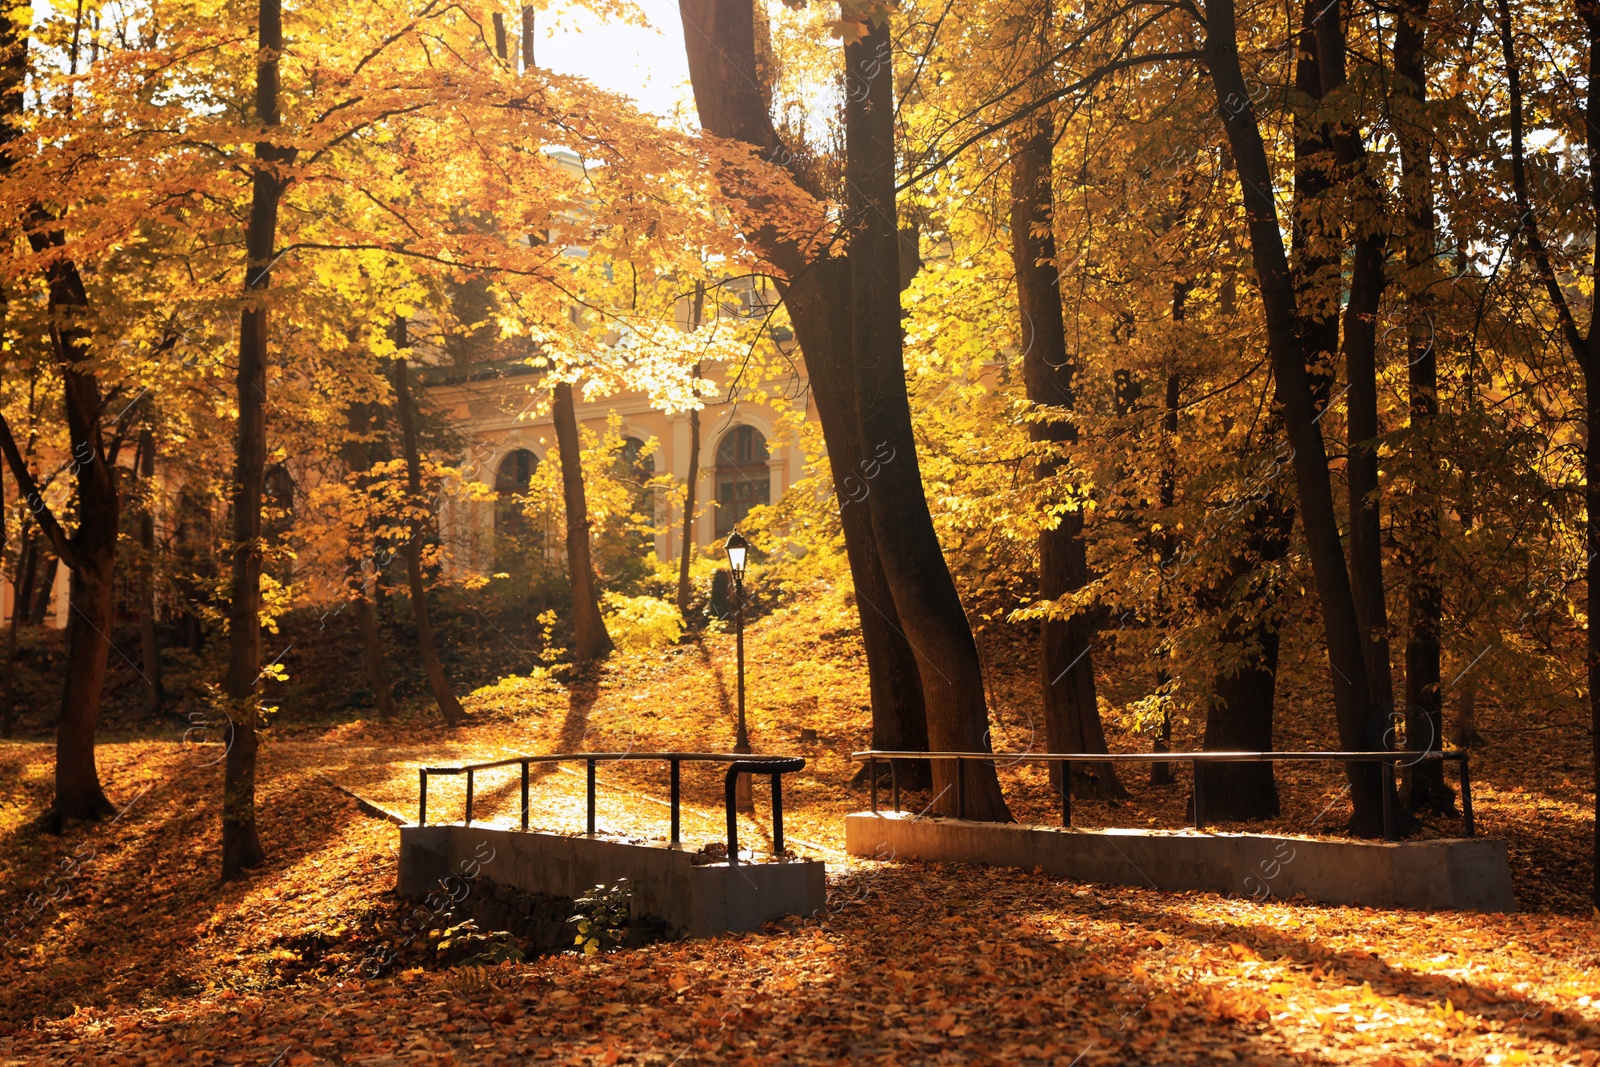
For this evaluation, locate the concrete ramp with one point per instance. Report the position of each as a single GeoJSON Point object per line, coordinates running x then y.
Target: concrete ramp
{"type": "Point", "coordinates": [693, 900]}
{"type": "Point", "coordinates": [1468, 874]}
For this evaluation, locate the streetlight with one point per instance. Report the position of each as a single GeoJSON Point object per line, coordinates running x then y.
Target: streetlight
{"type": "Point", "coordinates": [738, 548]}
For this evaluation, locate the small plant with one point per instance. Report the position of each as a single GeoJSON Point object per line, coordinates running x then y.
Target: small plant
{"type": "Point", "coordinates": [603, 915]}
{"type": "Point", "coordinates": [494, 946]}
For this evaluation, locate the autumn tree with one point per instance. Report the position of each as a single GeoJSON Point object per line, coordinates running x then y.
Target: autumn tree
{"type": "Point", "coordinates": [1050, 373]}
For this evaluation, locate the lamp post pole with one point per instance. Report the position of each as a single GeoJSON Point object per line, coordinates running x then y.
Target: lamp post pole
{"type": "Point", "coordinates": [741, 740]}
{"type": "Point", "coordinates": [737, 548]}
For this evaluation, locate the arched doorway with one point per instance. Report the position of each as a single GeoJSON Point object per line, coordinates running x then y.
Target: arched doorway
{"type": "Point", "coordinates": [511, 481]}
{"type": "Point", "coordinates": [743, 480]}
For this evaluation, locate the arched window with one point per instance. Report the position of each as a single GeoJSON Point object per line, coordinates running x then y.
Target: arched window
{"type": "Point", "coordinates": [510, 483]}
{"type": "Point", "coordinates": [633, 461]}
{"type": "Point", "coordinates": [516, 471]}
{"type": "Point", "coordinates": [743, 481]}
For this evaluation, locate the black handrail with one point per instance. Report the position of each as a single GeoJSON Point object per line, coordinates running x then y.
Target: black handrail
{"type": "Point", "coordinates": [739, 763]}
{"type": "Point", "coordinates": [1390, 761]}
{"type": "Point", "coordinates": [777, 768]}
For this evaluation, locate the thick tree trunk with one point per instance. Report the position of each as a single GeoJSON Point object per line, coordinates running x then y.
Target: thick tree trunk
{"type": "Point", "coordinates": [719, 39]}
{"type": "Point", "coordinates": [1235, 722]}
{"type": "Point", "coordinates": [443, 695]}
{"type": "Point", "coordinates": [590, 639]}
{"type": "Point", "coordinates": [925, 596]}
{"type": "Point", "coordinates": [78, 792]}
{"type": "Point", "coordinates": [1066, 662]}
{"type": "Point", "coordinates": [819, 302]}
{"type": "Point", "coordinates": [90, 552]}
{"type": "Point", "coordinates": [1240, 715]}
{"type": "Point", "coordinates": [1425, 785]}
{"type": "Point", "coordinates": [1342, 629]}
{"type": "Point", "coordinates": [1242, 705]}
{"type": "Point", "coordinates": [154, 690]}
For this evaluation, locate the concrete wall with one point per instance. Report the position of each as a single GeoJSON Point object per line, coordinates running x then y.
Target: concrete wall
{"type": "Point", "coordinates": [694, 901]}
{"type": "Point", "coordinates": [1455, 873]}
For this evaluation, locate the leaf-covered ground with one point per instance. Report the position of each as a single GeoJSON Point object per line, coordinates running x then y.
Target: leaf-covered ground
{"type": "Point", "coordinates": [127, 950]}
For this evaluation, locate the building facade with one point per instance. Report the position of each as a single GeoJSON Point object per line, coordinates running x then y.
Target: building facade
{"type": "Point", "coordinates": [746, 457]}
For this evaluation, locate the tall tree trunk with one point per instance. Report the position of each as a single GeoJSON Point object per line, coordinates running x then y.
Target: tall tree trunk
{"type": "Point", "coordinates": [1367, 282]}
{"type": "Point", "coordinates": [27, 560]}
{"type": "Point", "coordinates": [1591, 472]}
{"type": "Point", "coordinates": [819, 302]}
{"type": "Point", "coordinates": [78, 792]}
{"type": "Point", "coordinates": [1585, 348]}
{"type": "Point", "coordinates": [154, 690]}
{"type": "Point", "coordinates": [372, 653]}
{"type": "Point", "coordinates": [1240, 715]}
{"type": "Point", "coordinates": [13, 74]}
{"type": "Point", "coordinates": [1314, 263]}
{"type": "Point", "coordinates": [719, 39]}
{"type": "Point", "coordinates": [590, 639]}
{"type": "Point", "coordinates": [527, 39]}
{"type": "Point", "coordinates": [359, 459]}
{"type": "Point", "coordinates": [1242, 706]}
{"type": "Point", "coordinates": [1424, 780]}
{"type": "Point", "coordinates": [44, 591]}
{"type": "Point", "coordinates": [241, 844]}
{"type": "Point", "coordinates": [925, 596]}
{"type": "Point", "coordinates": [687, 553]}
{"type": "Point", "coordinates": [1342, 628]}
{"type": "Point", "coordinates": [91, 551]}
{"type": "Point", "coordinates": [1066, 662]}
{"type": "Point", "coordinates": [443, 695]}
{"type": "Point", "coordinates": [1161, 773]}
{"type": "Point", "coordinates": [27, 574]}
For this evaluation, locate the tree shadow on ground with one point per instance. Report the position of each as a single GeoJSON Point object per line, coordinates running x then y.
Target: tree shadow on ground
{"type": "Point", "coordinates": [1535, 1018]}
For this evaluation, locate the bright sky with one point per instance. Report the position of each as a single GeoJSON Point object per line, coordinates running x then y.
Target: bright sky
{"type": "Point", "coordinates": [646, 64]}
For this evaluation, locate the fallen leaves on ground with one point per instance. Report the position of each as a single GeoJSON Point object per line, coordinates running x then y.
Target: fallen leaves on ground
{"type": "Point", "coordinates": [138, 956]}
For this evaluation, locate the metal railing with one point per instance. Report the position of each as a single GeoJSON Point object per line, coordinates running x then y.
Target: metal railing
{"type": "Point", "coordinates": [774, 766]}
{"type": "Point", "coordinates": [1389, 761]}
